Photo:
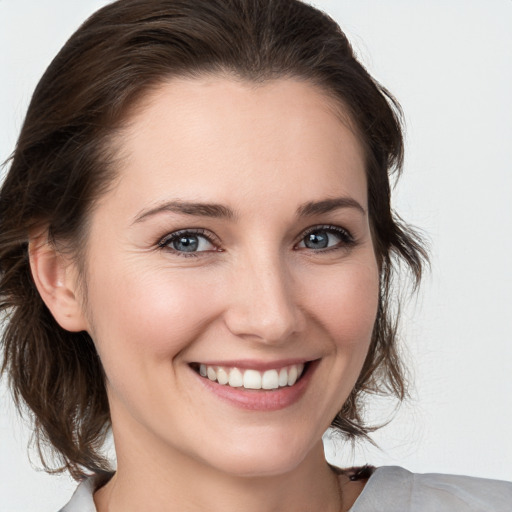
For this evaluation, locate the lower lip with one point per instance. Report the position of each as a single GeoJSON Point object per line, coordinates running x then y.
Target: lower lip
{"type": "Point", "coordinates": [261, 400]}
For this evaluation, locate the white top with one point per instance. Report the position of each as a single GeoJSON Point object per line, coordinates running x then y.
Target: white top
{"type": "Point", "coordinates": [391, 489]}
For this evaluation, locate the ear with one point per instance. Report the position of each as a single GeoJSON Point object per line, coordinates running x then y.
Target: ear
{"type": "Point", "coordinates": [55, 277]}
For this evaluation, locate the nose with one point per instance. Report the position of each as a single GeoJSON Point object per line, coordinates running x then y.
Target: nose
{"type": "Point", "coordinates": [262, 304]}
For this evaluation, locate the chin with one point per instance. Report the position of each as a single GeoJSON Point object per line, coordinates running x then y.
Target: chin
{"type": "Point", "coordinates": [264, 457]}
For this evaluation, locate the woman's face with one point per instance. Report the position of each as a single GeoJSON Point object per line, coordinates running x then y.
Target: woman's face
{"type": "Point", "coordinates": [233, 253]}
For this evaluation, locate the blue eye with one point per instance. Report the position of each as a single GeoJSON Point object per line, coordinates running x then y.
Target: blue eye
{"type": "Point", "coordinates": [187, 242]}
{"type": "Point", "coordinates": [326, 237]}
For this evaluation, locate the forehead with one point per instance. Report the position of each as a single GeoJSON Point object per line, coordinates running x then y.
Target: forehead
{"type": "Point", "coordinates": [231, 139]}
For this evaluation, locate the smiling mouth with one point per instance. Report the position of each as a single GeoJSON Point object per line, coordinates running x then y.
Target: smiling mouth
{"type": "Point", "coordinates": [233, 377]}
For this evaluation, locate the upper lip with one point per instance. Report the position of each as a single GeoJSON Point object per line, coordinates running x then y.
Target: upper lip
{"type": "Point", "coordinates": [251, 364]}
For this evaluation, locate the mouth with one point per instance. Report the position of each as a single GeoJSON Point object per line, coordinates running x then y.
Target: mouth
{"type": "Point", "coordinates": [271, 379]}
{"type": "Point", "coordinates": [257, 386]}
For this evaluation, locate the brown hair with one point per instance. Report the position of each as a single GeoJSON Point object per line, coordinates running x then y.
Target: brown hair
{"type": "Point", "coordinates": [63, 162]}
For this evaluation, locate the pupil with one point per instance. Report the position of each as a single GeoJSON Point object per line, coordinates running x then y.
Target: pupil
{"type": "Point", "coordinates": [186, 243]}
{"type": "Point", "coordinates": [318, 240]}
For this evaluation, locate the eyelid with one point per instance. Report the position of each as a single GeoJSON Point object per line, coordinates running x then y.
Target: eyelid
{"type": "Point", "coordinates": [339, 230]}
{"type": "Point", "coordinates": [163, 242]}
{"type": "Point", "coordinates": [348, 239]}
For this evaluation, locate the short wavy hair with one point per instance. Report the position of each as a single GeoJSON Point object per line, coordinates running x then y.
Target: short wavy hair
{"type": "Point", "coordinates": [63, 162]}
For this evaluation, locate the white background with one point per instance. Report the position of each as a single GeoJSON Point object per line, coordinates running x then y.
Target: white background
{"type": "Point", "coordinates": [450, 65]}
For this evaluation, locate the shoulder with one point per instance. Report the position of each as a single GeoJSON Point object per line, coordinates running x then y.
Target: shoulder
{"type": "Point", "coordinates": [396, 489]}
{"type": "Point", "coordinates": [389, 489]}
{"type": "Point", "coordinates": [82, 499]}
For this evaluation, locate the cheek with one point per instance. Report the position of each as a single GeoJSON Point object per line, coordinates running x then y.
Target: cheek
{"type": "Point", "coordinates": [345, 307]}
{"type": "Point", "coordinates": [146, 316]}
{"type": "Point", "coordinates": [346, 303]}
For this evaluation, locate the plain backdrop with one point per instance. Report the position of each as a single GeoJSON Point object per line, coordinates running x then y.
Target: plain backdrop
{"type": "Point", "coordinates": [450, 65]}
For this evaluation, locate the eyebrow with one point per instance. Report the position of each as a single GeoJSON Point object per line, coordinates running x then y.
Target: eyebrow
{"type": "Point", "coordinates": [328, 205]}
{"type": "Point", "coordinates": [220, 211]}
{"type": "Point", "coordinates": [189, 208]}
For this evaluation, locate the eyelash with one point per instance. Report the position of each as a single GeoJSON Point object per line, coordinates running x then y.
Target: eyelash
{"type": "Point", "coordinates": [165, 242]}
{"type": "Point", "coordinates": [347, 240]}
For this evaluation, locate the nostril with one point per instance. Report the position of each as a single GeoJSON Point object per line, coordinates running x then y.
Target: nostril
{"type": "Point", "coordinates": [257, 326]}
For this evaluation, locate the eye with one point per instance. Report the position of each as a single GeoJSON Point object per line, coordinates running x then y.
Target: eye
{"type": "Point", "coordinates": [326, 237]}
{"type": "Point", "coordinates": [187, 242]}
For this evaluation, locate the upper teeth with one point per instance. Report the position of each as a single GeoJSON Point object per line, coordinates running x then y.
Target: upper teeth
{"type": "Point", "coordinates": [253, 379]}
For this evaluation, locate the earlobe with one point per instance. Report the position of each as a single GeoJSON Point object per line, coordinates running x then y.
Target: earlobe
{"type": "Point", "coordinates": [55, 277]}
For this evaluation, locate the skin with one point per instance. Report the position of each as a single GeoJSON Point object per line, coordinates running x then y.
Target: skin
{"type": "Point", "coordinates": [254, 292]}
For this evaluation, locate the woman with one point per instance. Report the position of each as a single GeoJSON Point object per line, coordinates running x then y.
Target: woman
{"type": "Point", "coordinates": [197, 249]}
